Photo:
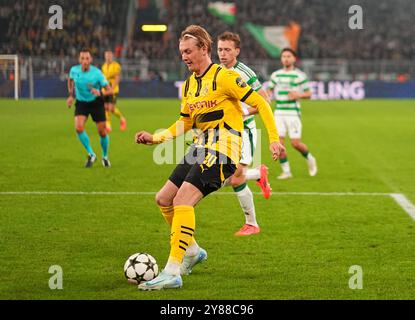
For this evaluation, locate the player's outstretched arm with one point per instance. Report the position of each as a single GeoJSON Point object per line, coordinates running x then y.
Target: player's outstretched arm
{"type": "Point", "coordinates": [233, 85]}
{"type": "Point", "coordinates": [178, 128]}
{"type": "Point", "coordinates": [258, 102]}
{"type": "Point", "coordinates": [264, 94]}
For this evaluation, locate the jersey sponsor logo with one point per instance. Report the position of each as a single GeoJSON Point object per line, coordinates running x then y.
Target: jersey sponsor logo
{"type": "Point", "coordinates": [201, 104]}
{"type": "Point", "coordinates": [240, 82]}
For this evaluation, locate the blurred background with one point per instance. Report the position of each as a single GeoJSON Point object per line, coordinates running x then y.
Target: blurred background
{"type": "Point", "coordinates": [342, 63]}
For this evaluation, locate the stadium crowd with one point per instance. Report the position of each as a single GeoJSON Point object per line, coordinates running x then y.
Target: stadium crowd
{"type": "Point", "coordinates": [387, 27]}
{"type": "Point", "coordinates": [87, 23]}
{"type": "Point", "coordinates": [325, 33]}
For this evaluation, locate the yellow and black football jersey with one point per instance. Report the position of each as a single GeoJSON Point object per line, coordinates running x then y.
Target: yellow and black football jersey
{"type": "Point", "coordinates": [211, 106]}
{"type": "Point", "coordinates": [110, 71]}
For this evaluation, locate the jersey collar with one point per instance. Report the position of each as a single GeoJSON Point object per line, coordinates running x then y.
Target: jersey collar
{"type": "Point", "coordinates": [206, 71]}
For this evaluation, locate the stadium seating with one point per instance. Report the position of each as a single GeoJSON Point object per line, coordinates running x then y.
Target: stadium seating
{"type": "Point", "coordinates": [88, 23]}
{"type": "Point", "coordinates": [91, 23]}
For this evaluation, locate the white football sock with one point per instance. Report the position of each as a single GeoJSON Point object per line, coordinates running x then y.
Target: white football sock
{"type": "Point", "coordinates": [246, 200]}
{"type": "Point", "coordinates": [310, 157]}
{"type": "Point", "coordinates": [286, 167]}
{"type": "Point", "coordinates": [253, 174]}
{"type": "Point", "coordinates": [172, 267]}
{"type": "Point", "coordinates": [193, 249]}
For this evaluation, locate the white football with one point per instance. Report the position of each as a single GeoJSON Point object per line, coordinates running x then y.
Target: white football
{"type": "Point", "coordinates": [140, 267]}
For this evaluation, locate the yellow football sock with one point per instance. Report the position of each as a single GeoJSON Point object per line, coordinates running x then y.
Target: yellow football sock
{"type": "Point", "coordinates": [108, 118]}
{"type": "Point", "coordinates": [182, 230]}
{"type": "Point", "coordinates": [167, 213]}
{"type": "Point", "coordinates": [117, 113]}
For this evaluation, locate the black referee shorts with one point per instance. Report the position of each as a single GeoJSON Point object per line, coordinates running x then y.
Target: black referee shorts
{"type": "Point", "coordinates": [203, 168]}
{"type": "Point", "coordinates": [94, 108]}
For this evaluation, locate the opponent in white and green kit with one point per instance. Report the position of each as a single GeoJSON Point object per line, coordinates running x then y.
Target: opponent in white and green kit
{"type": "Point", "coordinates": [287, 86]}
{"type": "Point", "coordinates": [228, 51]}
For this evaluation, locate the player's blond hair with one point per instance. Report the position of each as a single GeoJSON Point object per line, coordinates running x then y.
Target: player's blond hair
{"type": "Point", "coordinates": [199, 34]}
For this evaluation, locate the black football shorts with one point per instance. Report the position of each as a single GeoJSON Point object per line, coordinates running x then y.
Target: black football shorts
{"type": "Point", "coordinates": [204, 168]}
{"type": "Point", "coordinates": [94, 108]}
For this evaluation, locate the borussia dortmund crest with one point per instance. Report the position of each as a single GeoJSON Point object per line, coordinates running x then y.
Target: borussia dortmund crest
{"type": "Point", "coordinates": [204, 91]}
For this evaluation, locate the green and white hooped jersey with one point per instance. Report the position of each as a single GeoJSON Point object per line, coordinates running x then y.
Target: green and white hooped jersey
{"type": "Point", "coordinates": [251, 79]}
{"type": "Point", "coordinates": [282, 82]}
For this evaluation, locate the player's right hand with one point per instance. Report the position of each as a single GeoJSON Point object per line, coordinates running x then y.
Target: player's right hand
{"type": "Point", "coordinates": [69, 101]}
{"type": "Point", "coordinates": [276, 149]}
{"type": "Point", "coordinates": [144, 137]}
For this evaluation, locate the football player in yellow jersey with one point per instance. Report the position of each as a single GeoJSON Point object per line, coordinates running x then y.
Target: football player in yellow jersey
{"type": "Point", "coordinates": [112, 71]}
{"type": "Point", "coordinates": [210, 105]}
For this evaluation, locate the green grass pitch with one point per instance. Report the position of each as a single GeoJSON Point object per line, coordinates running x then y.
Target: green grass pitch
{"type": "Point", "coordinates": [307, 243]}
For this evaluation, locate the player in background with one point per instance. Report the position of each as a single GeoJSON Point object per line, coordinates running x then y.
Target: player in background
{"type": "Point", "coordinates": [287, 86]}
{"type": "Point", "coordinates": [85, 83]}
{"type": "Point", "coordinates": [112, 71]}
{"type": "Point", "coordinates": [229, 47]}
{"type": "Point", "coordinates": [210, 105]}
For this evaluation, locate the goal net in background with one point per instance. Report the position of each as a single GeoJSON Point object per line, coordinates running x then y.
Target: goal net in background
{"type": "Point", "coordinates": [9, 76]}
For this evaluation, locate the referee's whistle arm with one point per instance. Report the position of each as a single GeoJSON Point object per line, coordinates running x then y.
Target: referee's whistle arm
{"type": "Point", "coordinates": [95, 92]}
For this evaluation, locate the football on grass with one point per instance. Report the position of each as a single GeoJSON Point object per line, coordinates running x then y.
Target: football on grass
{"type": "Point", "coordinates": [140, 267]}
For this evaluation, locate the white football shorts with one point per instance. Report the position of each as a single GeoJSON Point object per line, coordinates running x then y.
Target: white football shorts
{"type": "Point", "coordinates": [289, 125]}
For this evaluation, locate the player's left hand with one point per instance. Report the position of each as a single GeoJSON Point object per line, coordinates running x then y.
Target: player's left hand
{"type": "Point", "coordinates": [293, 95]}
{"type": "Point", "coordinates": [276, 149]}
{"type": "Point", "coordinates": [69, 101]}
{"type": "Point", "coordinates": [95, 92]}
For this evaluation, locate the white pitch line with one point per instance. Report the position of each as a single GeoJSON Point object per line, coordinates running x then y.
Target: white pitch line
{"type": "Point", "coordinates": [405, 204]}
{"type": "Point", "coordinates": [400, 198]}
{"type": "Point", "coordinates": [138, 193]}
{"type": "Point", "coordinates": [75, 193]}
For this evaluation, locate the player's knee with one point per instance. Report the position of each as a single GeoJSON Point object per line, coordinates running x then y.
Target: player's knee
{"type": "Point", "coordinates": [162, 200]}
{"type": "Point", "coordinates": [79, 129]}
{"type": "Point", "coordinates": [102, 132]}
